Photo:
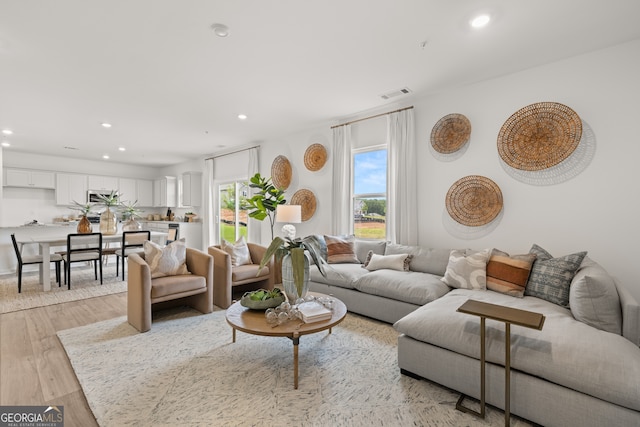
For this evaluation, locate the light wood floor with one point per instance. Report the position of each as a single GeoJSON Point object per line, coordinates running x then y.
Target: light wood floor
{"type": "Point", "coordinates": [34, 368]}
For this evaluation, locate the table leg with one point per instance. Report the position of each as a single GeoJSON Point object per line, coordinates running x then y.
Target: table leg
{"type": "Point", "coordinates": [45, 276]}
{"type": "Point", "coordinates": [233, 333]}
{"type": "Point", "coordinates": [296, 341]}
{"type": "Point", "coordinates": [507, 374]}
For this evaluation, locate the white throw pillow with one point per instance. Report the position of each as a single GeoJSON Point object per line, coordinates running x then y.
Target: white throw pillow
{"type": "Point", "coordinates": [170, 260]}
{"type": "Point", "coordinates": [398, 262]}
{"type": "Point", "coordinates": [238, 251]}
{"type": "Point", "coordinates": [467, 270]}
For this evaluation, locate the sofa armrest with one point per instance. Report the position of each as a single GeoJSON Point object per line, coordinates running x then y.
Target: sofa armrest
{"type": "Point", "coordinates": [221, 277]}
{"type": "Point", "coordinates": [200, 264]}
{"type": "Point", "coordinates": [138, 293]}
{"type": "Point", "coordinates": [630, 314]}
{"type": "Point", "coordinates": [257, 252]}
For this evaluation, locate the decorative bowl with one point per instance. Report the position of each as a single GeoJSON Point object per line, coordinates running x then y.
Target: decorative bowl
{"type": "Point", "coordinates": [246, 301]}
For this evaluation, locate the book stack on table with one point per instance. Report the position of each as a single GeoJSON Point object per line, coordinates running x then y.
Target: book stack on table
{"type": "Point", "coordinates": [312, 311]}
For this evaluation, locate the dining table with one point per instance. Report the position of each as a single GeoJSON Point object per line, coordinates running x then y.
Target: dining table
{"type": "Point", "coordinates": [45, 242]}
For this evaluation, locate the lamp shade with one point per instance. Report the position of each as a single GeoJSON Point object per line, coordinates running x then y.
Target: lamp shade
{"type": "Point", "coordinates": [291, 214]}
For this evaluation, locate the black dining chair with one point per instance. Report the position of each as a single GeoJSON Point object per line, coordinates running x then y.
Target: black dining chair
{"type": "Point", "coordinates": [83, 248]}
{"type": "Point", "coordinates": [132, 242]}
{"type": "Point", "coordinates": [33, 259]}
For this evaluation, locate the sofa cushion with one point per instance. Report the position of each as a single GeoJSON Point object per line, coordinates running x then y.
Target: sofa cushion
{"type": "Point", "coordinates": [171, 285]}
{"type": "Point", "coordinates": [426, 260]}
{"type": "Point", "coordinates": [467, 269]}
{"type": "Point", "coordinates": [593, 298]}
{"type": "Point", "coordinates": [565, 351]}
{"type": "Point", "coordinates": [363, 247]}
{"type": "Point", "coordinates": [408, 286]}
{"type": "Point", "coordinates": [398, 262]}
{"type": "Point", "coordinates": [248, 272]}
{"type": "Point", "coordinates": [551, 277]}
{"type": "Point", "coordinates": [238, 251]}
{"type": "Point", "coordinates": [169, 260]}
{"type": "Point", "coordinates": [341, 250]}
{"type": "Point", "coordinates": [342, 275]}
{"type": "Point", "coordinates": [508, 274]}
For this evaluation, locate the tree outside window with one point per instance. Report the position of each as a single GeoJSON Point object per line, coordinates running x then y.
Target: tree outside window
{"type": "Point", "coordinates": [370, 193]}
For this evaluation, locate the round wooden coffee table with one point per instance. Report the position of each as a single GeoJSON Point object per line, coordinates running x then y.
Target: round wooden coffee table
{"type": "Point", "coordinates": [254, 322]}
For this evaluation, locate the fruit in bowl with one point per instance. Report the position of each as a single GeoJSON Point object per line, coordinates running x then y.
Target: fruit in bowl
{"type": "Point", "coordinates": [262, 299]}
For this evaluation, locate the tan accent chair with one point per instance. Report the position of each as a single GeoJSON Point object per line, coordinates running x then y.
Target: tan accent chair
{"type": "Point", "coordinates": [229, 280]}
{"type": "Point", "coordinates": [195, 289]}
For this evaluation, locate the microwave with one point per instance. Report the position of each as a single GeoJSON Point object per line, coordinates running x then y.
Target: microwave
{"type": "Point", "coordinates": [93, 196]}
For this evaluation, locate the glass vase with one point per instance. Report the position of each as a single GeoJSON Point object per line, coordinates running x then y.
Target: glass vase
{"type": "Point", "coordinates": [108, 222]}
{"type": "Point", "coordinates": [84, 226]}
{"type": "Point", "coordinates": [131, 225]}
{"type": "Point", "coordinates": [289, 285]}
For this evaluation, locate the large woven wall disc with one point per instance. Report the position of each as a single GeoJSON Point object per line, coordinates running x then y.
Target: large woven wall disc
{"type": "Point", "coordinates": [315, 157]}
{"type": "Point", "coordinates": [281, 172]}
{"type": "Point", "coordinates": [474, 200]}
{"type": "Point", "coordinates": [450, 133]}
{"type": "Point", "coordinates": [307, 200]}
{"type": "Point", "coordinates": [539, 136]}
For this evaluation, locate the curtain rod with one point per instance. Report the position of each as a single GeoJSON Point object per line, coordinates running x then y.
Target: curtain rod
{"type": "Point", "coordinates": [371, 117]}
{"type": "Point", "coordinates": [232, 152]}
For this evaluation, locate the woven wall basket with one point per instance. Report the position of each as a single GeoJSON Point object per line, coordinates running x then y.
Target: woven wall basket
{"type": "Point", "coordinates": [315, 157]}
{"type": "Point", "coordinates": [307, 200]}
{"type": "Point", "coordinates": [281, 172]}
{"type": "Point", "coordinates": [539, 136]}
{"type": "Point", "coordinates": [450, 133]}
{"type": "Point", "coordinates": [474, 200]}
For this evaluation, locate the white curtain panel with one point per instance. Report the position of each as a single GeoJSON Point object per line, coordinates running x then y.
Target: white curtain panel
{"type": "Point", "coordinates": [402, 215]}
{"type": "Point", "coordinates": [254, 226]}
{"type": "Point", "coordinates": [341, 202]}
{"type": "Point", "coordinates": [210, 228]}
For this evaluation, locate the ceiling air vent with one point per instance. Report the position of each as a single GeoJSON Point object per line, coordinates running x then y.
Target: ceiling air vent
{"type": "Point", "coordinates": [389, 95]}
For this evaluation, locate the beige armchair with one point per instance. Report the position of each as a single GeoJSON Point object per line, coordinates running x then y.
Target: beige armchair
{"type": "Point", "coordinates": [195, 289]}
{"type": "Point", "coordinates": [230, 282]}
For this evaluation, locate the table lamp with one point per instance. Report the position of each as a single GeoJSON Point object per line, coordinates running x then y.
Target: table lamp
{"type": "Point", "coordinates": [290, 214]}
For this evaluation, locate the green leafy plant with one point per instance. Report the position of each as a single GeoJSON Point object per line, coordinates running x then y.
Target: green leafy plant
{"type": "Point", "coordinates": [263, 204]}
{"type": "Point", "coordinates": [83, 208]}
{"type": "Point", "coordinates": [109, 200]}
{"type": "Point", "coordinates": [280, 247]}
{"type": "Point", "coordinates": [130, 210]}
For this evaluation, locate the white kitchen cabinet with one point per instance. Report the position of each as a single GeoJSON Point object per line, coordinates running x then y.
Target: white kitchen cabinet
{"type": "Point", "coordinates": [70, 187]}
{"type": "Point", "coordinates": [29, 178]}
{"type": "Point", "coordinates": [191, 189]}
{"type": "Point", "coordinates": [144, 192]}
{"type": "Point", "coordinates": [104, 183]}
{"type": "Point", "coordinates": [164, 192]}
{"type": "Point", "coordinates": [128, 189]}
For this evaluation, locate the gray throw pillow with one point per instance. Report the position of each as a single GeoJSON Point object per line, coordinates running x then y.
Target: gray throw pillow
{"type": "Point", "coordinates": [467, 269]}
{"type": "Point", "coordinates": [551, 277]}
{"type": "Point", "coordinates": [364, 246]}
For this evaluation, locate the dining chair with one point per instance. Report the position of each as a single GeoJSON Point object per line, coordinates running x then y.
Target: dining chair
{"type": "Point", "coordinates": [33, 259]}
{"type": "Point", "coordinates": [132, 242]}
{"type": "Point", "coordinates": [83, 248]}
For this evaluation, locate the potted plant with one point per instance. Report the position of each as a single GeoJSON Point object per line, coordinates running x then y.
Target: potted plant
{"type": "Point", "coordinates": [264, 202]}
{"type": "Point", "coordinates": [108, 222]}
{"type": "Point", "coordinates": [295, 262]}
{"type": "Point", "coordinates": [130, 213]}
{"type": "Point", "coordinates": [84, 226]}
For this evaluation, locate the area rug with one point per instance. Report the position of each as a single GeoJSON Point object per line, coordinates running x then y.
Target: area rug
{"type": "Point", "coordinates": [186, 371]}
{"type": "Point", "coordinates": [83, 285]}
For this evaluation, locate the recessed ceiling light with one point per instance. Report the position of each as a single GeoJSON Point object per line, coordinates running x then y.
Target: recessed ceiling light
{"type": "Point", "coordinates": [106, 157]}
{"type": "Point", "coordinates": [220, 30]}
{"type": "Point", "coordinates": [7, 132]}
{"type": "Point", "coordinates": [122, 149]}
{"type": "Point", "coordinates": [5, 144]}
{"type": "Point", "coordinates": [480, 21]}
{"type": "Point", "coordinates": [106, 125]}
{"type": "Point", "coordinates": [242, 116]}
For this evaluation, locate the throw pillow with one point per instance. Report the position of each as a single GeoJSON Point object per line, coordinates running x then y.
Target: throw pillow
{"type": "Point", "coordinates": [593, 298]}
{"type": "Point", "coordinates": [398, 262]}
{"type": "Point", "coordinates": [508, 274]}
{"type": "Point", "coordinates": [551, 277]}
{"type": "Point", "coordinates": [318, 243]}
{"type": "Point", "coordinates": [238, 251]}
{"type": "Point", "coordinates": [467, 269]}
{"type": "Point", "coordinates": [341, 250]}
{"type": "Point", "coordinates": [166, 261]}
{"type": "Point", "coordinates": [363, 247]}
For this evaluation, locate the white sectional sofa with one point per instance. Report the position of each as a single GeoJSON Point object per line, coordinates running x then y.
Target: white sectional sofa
{"type": "Point", "coordinates": [581, 369]}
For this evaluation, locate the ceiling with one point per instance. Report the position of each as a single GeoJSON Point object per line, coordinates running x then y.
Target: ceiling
{"type": "Point", "coordinates": [172, 89]}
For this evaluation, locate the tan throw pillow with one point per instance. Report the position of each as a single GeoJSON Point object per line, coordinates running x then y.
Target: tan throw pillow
{"type": "Point", "coordinates": [166, 261]}
{"type": "Point", "coordinates": [341, 250]}
{"type": "Point", "coordinates": [238, 251]}
{"type": "Point", "coordinates": [398, 262]}
{"type": "Point", "coordinates": [467, 270]}
{"type": "Point", "coordinates": [508, 274]}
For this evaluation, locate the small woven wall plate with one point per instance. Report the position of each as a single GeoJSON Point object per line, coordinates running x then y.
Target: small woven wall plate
{"type": "Point", "coordinates": [474, 200]}
{"type": "Point", "coordinates": [281, 172]}
{"type": "Point", "coordinates": [315, 157]}
{"type": "Point", "coordinates": [450, 133]}
{"type": "Point", "coordinates": [307, 200]}
{"type": "Point", "coordinates": [539, 136]}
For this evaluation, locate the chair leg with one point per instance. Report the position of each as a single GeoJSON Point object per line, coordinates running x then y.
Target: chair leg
{"type": "Point", "coordinates": [100, 271]}
{"type": "Point", "coordinates": [123, 258]}
{"type": "Point", "coordinates": [58, 273]}
{"type": "Point", "coordinates": [19, 278]}
{"type": "Point", "coordinates": [117, 265]}
{"type": "Point", "coordinates": [95, 269]}
{"type": "Point", "coordinates": [67, 275]}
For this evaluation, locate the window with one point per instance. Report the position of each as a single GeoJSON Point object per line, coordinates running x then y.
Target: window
{"type": "Point", "coordinates": [232, 215]}
{"type": "Point", "coordinates": [370, 193]}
